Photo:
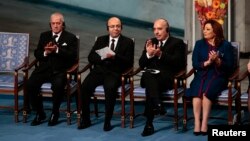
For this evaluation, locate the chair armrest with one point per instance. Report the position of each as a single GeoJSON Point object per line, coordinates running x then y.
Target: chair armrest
{"type": "Point", "coordinates": [128, 71]}
{"type": "Point", "coordinates": [73, 68]}
{"type": "Point", "coordinates": [242, 76]}
{"type": "Point", "coordinates": [189, 73]}
{"type": "Point", "coordinates": [33, 63]}
{"type": "Point", "coordinates": [23, 65]}
{"type": "Point", "coordinates": [136, 71]}
{"type": "Point", "coordinates": [234, 75]}
{"type": "Point", "coordinates": [180, 74]}
{"type": "Point", "coordinates": [88, 66]}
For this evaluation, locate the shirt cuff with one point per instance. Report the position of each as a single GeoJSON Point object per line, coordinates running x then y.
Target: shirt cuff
{"type": "Point", "coordinates": [57, 49]}
{"type": "Point", "coordinates": [149, 57]}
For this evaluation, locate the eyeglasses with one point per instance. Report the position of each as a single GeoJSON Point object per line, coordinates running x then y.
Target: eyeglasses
{"type": "Point", "coordinates": [114, 26]}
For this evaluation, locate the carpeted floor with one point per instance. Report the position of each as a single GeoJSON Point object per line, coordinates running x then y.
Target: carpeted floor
{"type": "Point", "coordinates": [10, 131]}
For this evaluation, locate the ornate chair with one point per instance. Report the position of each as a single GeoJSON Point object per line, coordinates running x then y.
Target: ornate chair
{"type": "Point", "coordinates": [137, 93]}
{"type": "Point", "coordinates": [14, 56]}
{"type": "Point", "coordinates": [70, 88]}
{"type": "Point", "coordinates": [243, 101]}
{"type": "Point", "coordinates": [123, 92]}
{"type": "Point", "coordinates": [226, 97]}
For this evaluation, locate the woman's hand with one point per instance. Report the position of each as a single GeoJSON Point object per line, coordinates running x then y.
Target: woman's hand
{"type": "Point", "coordinates": [213, 55]}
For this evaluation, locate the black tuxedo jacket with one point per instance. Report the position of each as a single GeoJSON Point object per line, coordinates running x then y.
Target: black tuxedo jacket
{"type": "Point", "coordinates": [56, 62]}
{"type": "Point", "coordinates": [123, 59]}
{"type": "Point", "coordinates": [173, 58]}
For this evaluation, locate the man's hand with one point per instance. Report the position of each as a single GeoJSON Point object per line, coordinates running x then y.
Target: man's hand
{"type": "Point", "coordinates": [158, 52]}
{"type": "Point", "coordinates": [109, 55]}
{"type": "Point", "coordinates": [50, 48]}
{"type": "Point", "coordinates": [152, 49]}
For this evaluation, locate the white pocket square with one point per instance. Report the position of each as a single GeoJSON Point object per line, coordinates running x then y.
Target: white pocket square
{"type": "Point", "coordinates": [64, 44]}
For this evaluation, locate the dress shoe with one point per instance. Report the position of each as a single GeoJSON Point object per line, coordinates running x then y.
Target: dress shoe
{"type": "Point", "coordinates": [107, 126]}
{"type": "Point", "coordinates": [84, 124]}
{"type": "Point", "coordinates": [159, 110]}
{"type": "Point", "coordinates": [197, 133]}
{"type": "Point", "coordinates": [162, 110]}
{"type": "Point", "coordinates": [40, 117]}
{"type": "Point", "coordinates": [148, 130]}
{"type": "Point", "coordinates": [203, 133]}
{"type": "Point", "coordinates": [53, 120]}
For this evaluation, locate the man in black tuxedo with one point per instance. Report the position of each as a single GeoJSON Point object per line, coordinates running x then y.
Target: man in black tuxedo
{"type": "Point", "coordinates": [107, 70]}
{"type": "Point", "coordinates": [56, 52]}
{"type": "Point", "coordinates": [162, 57]}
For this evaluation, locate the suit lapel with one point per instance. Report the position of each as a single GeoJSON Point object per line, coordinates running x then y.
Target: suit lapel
{"type": "Point", "coordinates": [118, 43]}
{"type": "Point", "coordinates": [61, 38]}
{"type": "Point", "coordinates": [166, 44]}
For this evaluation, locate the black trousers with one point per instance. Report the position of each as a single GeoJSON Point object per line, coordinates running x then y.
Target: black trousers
{"type": "Point", "coordinates": [110, 81]}
{"type": "Point", "coordinates": [154, 84]}
{"type": "Point", "coordinates": [58, 82]}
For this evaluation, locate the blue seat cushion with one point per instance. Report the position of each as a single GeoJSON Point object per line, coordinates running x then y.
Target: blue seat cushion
{"type": "Point", "coordinates": [7, 81]}
{"type": "Point", "coordinates": [224, 94]}
{"type": "Point", "coordinates": [100, 90]}
{"type": "Point", "coordinates": [244, 97]}
{"type": "Point", "coordinates": [46, 87]}
{"type": "Point", "coordinates": [140, 92]}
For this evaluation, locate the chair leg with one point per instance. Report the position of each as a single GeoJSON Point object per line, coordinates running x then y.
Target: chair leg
{"type": "Point", "coordinates": [79, 103]}
{"type": "Point", "coordinates": [25, 116]}
{"type": "Point", "coordinates": [132, 111]}
{"type": "Point", "coordinates": [68, 118]}
{"type": "Point", "coordinates": [230, 115]}
{"type": "Point", "coordinates": [96, 107]}
{"type": "Point", "coordinates": [16, 116]}
{"type": "Point", "coordinates": [123, 111]}
{"type": "Point", "coordinates": [184, 114]}
{"type": "Point", "coordinates": [16, 107]}
{"type": "Point", "coordinates": [176, 116]}
{"type": "Point", "coordinates": [68, 108]}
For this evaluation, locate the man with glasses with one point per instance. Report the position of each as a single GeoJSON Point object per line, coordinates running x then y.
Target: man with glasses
{"type": "Point", "coordinates": [107, 71]}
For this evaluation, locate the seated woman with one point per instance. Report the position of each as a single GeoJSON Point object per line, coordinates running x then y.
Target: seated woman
{"type": "Point", "coordinates": [212, 60]}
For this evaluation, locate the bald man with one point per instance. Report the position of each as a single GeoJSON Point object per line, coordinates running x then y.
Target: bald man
{"type": "Point", "coordinates": [166, 55]}
{"type": "Point", "coordinates": [107, 70]}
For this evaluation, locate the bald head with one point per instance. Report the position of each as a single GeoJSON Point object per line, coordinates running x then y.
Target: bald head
{"type": "Point", "coordinates": [114, 19]}
{"type": "Point", "coordinates": [161, 27]}
{"type": "Point", "coordinates": [162, 22]}
{"type": "Point", "coordinates": [114, 27]}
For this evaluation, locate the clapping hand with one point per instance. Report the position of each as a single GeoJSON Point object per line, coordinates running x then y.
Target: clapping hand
{"type": "Point", "coordinates": [248, 66]}
{"type": "Point", "coordinates": [152, 49]}
{"type": "Point", "coordinates": [213, 55]}
{"type": "Point", "coordinates": [50, 47]}
{"type": "Point", "coordinates": [109, 55]}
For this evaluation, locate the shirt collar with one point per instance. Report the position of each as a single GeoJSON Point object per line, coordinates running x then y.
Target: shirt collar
{"type": "Point", "coordinates": [58, 34]}
{"type": "Point", "coordinates": [116, 39]}
{"type": "Point", "coordinates": [164, 41]}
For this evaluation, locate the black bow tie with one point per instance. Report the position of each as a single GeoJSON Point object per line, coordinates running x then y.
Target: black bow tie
{"type": "Point", "coordinates": [54, 38]}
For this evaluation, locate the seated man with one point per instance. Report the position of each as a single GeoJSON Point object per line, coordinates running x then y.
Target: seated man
{"type": "Point", "coordinates": [56, 52]}
{"type": "Point", "coordinates": [165, 55]}
{"type": "Point", "coordinates": [107, 70]}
